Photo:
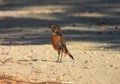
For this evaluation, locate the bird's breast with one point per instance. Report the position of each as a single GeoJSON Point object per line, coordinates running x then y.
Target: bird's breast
{"type": "Point", "coordinates": [55, 41]}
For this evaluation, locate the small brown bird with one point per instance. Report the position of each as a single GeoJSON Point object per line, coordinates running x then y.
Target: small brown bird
{"type": "Point", "coordinates": [59, 43]}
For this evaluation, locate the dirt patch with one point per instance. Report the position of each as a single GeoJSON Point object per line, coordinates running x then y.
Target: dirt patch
{"type": "Point", "coordinates": [5, 79]}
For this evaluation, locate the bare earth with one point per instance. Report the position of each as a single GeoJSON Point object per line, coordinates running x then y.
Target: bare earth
{"type": "Point", "coordinates": [92, 34]}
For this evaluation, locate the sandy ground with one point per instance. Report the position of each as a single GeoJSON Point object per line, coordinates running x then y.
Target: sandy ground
{"type": "Point", "coordinates": [91, 30]}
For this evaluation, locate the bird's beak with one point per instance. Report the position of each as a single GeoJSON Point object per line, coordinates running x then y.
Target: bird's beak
{"type": "Point", "coordinates": [51, 28]}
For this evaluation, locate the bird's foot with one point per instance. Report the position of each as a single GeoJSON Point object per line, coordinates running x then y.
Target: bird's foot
{"type": "Point", "coordinates": [58, 61]}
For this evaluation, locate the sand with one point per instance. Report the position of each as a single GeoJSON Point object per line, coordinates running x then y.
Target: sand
{"type": "Point", "coordinates": [91, 31]}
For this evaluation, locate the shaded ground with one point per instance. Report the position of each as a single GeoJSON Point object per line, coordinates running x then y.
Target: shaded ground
{"type": "Point", "coordinates": [17, 17]}
{"type": "Point", "coordinates": [91, 29]}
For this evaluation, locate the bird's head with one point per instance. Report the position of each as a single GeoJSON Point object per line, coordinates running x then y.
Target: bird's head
{"type": "Point", "coordinates": [55, 28]}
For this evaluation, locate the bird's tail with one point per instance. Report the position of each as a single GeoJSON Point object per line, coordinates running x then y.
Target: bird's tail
{"type": "Point", "coordinates": [71, 56]}
{"type": "Point", "coordinates": [68, 53]}
{"type": "Point", "coordinates": [65, 50]}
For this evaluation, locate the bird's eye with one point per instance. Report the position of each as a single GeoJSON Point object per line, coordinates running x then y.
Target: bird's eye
{"type": "Point", "coordinates": [54, 27]}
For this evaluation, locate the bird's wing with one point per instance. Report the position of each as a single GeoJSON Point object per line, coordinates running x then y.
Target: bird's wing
{"type": "Point", "coordinates": [61, 40]}
{"type": "Point", "coordinates": [62, 44]}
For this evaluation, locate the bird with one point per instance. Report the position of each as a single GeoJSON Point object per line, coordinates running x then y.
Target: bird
{"type": "Point", "coordinates": [58, 43]}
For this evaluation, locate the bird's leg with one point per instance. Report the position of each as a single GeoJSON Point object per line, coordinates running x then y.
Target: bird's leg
{"type": "Point", "coordinates": [58, 56]}
{"type": "Point", "coordinates": [61, 56]}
